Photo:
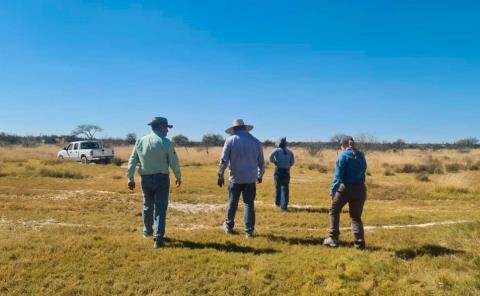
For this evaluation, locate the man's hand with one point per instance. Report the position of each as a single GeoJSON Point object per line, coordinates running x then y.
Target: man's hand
{"type": "Point", "coordinates": [259, 180]}
{"type": "Point", "coordinates": [220, 181]}
{"type": "Point", "coordinates": [178, 183]}
{"type": "Point", "coordinates": [131, 185]}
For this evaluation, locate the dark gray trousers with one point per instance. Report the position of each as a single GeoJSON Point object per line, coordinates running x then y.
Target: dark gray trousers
{"type": "Point", "coordinates": [355, 195]}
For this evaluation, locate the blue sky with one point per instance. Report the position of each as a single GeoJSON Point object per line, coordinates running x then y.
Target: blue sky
{"type": "Point", "coordinates": [301, 69]}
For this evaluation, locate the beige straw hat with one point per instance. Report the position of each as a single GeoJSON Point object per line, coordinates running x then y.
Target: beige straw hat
{"type": "Point", "coordinates": [238, 122]}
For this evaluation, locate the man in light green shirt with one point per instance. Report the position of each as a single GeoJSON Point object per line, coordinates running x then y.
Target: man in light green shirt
{"type": "Point", "coordinates": [154, 154]}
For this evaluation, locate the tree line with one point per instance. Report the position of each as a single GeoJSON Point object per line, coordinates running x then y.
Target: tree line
{"type": "Point", "coordinates": [216, 140]}
{"type": "Point", "coordinates": [364, 141]}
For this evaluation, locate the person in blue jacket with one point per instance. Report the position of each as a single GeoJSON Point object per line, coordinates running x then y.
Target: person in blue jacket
{"type": "Point", "coordinates": [283, 159]}
{"type": "Point", "coordinates": [348, 186]}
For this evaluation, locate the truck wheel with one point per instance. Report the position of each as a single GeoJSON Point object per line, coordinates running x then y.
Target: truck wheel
{"type": "Point", "coordinates": [107, 161]}
{"type": "Point", "coordinates": [60, 158]}
{"type": "Point", "coordinates": [84, 159]}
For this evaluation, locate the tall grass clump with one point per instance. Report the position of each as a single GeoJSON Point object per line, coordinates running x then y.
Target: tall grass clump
{"type": "Point", "coordinates": [318, 167]}
{"type": "Point", "coordinates": [117, 161]}
{"type": "Point", "coordinates": [14, 160]}
{"type": "Point", "coordinates": [52, 162]}
{"type": "Point", "coordinates": [64, 174]}
{"type": "Point", "coordinates": [430, 166]}
{"type": "Point", "coordinates": [3, 174]}
{"type": "Point", "coordinates": [454, 167]}
{"type": "Point", "coordinates": [388, 172]}
{"type": "Point", "coordinates": [422, 177]}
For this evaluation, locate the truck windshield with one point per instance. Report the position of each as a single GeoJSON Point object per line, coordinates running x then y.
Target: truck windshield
{"type": "Point", "coordinates": [89, 145]}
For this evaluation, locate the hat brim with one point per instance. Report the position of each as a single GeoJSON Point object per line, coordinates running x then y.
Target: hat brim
{"type": "Point", "coordinates": [231, 130]}
{"type": "Point", "coordinates": [169, 125]}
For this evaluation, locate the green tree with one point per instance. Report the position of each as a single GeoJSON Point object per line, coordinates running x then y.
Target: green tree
{"type": "Point", "coordinates": [467, 142]}
{"type": "Point", "coordinates": [212, 140]}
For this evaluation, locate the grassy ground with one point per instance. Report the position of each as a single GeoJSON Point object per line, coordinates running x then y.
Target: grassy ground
{"type": "Point", "coordinates": [72, 229]}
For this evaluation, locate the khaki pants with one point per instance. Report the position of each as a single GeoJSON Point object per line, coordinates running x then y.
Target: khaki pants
{"type": "Point", "coordinates": [355, 195]}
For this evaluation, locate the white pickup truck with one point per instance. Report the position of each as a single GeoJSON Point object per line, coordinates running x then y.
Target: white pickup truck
{"type": "Point", "coordinates": [86, 151]}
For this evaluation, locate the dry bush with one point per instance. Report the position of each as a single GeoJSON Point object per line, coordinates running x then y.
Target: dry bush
{"type": "Point", "coordinates": [388, 172]}
{"type": "Point", "coordinates": [193, 164]}
{"type": "Point", "coordinates": [64, 174]}
{"type": "Point", "coordinates": [431, 166]}
{"type": "Point", "coordinates": [473, 166]}
{"type": "Point", "coordinates": [318, 167]}
{"type": "Point", "coordinates": [52, 162]}
{"type": "Point", "coordinates": [14, 160]}
{"type": "Point", "coordinates": [312, 149]}
{"type": "Point", "coordinates": [454, 167]}
{"type": "Point", "coordinates": [29, 168]}
{"type": "Point", "coordinates": [117, 161]}
{"type": "Point", "coordinates": [422, 177]}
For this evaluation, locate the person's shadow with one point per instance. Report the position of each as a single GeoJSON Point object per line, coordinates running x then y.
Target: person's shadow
{"type": "Point", "coordinates": [298, 209]}
{"type": "Point", "coordinates": [315, 241]}
{"type": "Point", "coordinates": [426, 250]}
{"type": "Point", "coordinates": [228, 247]}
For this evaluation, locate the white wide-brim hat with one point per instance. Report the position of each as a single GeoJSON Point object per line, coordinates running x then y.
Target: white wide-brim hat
{"type": "Point", "coordinates": [238, 122]}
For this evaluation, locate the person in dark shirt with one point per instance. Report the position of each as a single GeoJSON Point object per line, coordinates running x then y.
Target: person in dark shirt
{"type": "Point", "coordinates": [283, 159]}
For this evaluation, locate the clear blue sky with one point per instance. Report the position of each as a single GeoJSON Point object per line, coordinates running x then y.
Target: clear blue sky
{"type": "Point", "coordinates": [303, 69]}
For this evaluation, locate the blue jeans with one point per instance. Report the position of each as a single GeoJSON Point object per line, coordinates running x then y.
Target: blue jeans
{"type": "Point", "coordinates": [155, 196]}
{"type": "Point", "coordinates": [282, 181]}
{"type": "Point", "coordinates": [248, 191]}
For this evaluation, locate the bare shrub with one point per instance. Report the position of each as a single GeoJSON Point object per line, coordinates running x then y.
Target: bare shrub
{"type": "Point", "coordinates": [422, 177]}
{"type": "Point", "coordinates": [312, 148]}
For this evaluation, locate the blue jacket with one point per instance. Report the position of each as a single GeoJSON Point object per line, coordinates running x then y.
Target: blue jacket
{"type": "Point", "coordinates": [283, 159]}
{"type": "Point", "coordinates": [349, 169]}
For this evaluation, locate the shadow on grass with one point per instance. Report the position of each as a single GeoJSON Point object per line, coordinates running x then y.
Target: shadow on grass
{"type": "Point", "coordinates": [294, 240]}
{"type": "Point", "coordinates": [228, 247]}
{"type": "Point", "coordinates": [315, 242]}
{"type": "Point", "coordinates": [426, 250]}
{"type": "Point", "coordinates": [294, 209]}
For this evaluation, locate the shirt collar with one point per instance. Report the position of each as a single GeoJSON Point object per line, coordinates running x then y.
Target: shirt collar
{"type": "Point", "coordinates": [158, 134]}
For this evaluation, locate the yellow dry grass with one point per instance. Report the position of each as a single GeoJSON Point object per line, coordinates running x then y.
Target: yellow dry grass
{"type": "Point", "coordinates": [65, 235]}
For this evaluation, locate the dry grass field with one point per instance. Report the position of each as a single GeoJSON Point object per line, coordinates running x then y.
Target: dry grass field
{"type": "Point", "coordinates": [73, 229]}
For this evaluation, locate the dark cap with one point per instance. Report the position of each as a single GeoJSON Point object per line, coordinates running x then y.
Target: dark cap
{"type": "Point", "coordinates": [160, 121]}
{"type": "Point", "coordinates": [282, 142]}
{"type": "Point", "coordinates": [345, 140]}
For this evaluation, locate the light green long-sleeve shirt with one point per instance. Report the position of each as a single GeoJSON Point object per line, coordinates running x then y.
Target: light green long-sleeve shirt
{"type": "Point", "coordinates": [155, 154]}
